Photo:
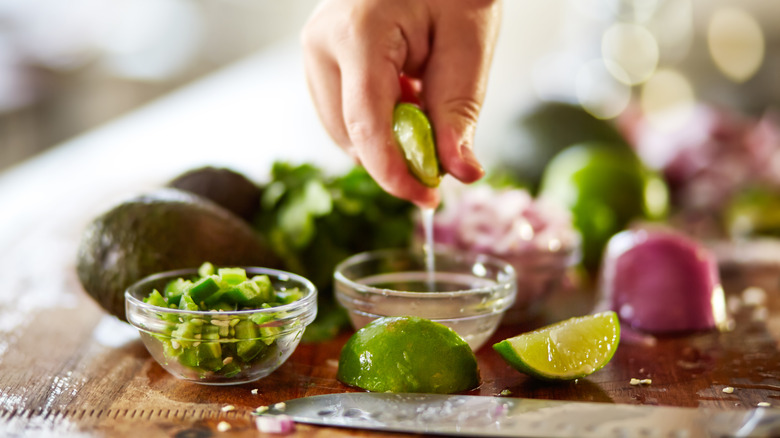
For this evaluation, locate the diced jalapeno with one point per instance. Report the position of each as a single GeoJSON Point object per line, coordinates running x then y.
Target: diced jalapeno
{"type": "Point", "coordinates": [232, 275]}
{"type": "Point", "coordinates": [203, 289]}
{"type": "Point", "coordinates": [215, 343]}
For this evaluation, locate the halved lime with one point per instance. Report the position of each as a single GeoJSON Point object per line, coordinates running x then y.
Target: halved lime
{"type": "Point", "coordinates": [414, 134]}
{"type": "Point", "coordinates": [408, 354]}
{"type": "Point", "coordinates": [566, 350]}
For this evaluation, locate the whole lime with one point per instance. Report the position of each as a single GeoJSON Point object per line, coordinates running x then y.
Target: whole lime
{"type": "Point", "coordinates": [605, 188]}
{"type": "Point", "coordinates": [408, 354]}
{"type": "Point", "coordinates": [754, 212]}
{"type": "Point", "coordinates": [543, 129]}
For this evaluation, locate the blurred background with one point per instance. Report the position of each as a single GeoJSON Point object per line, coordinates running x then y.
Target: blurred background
{"type": "Point", "coordinates": [66, 67]}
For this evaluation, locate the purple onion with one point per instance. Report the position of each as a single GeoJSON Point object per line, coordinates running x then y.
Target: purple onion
{"type": "Point", "coordinates": [660, 281]}
{"type": "Point", "coordinates": [278, 424]}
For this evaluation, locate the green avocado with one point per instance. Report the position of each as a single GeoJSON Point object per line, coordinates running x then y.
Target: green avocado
{"type": "Point", "coordinates": [159, 231]}
{"type": "Point", "coordinates": [226, 187]}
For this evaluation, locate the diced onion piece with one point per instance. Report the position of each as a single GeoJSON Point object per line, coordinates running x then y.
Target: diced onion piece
{"type": "Point", "coordinates": [275, 424]}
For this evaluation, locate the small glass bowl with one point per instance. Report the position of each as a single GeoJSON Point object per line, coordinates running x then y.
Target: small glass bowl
{"type": "Point", "coordinates": [468, 292]}
{"type": "Point", "coordinates": [179, 339]}
{"type": "Point", "coordinates": [539, 274]}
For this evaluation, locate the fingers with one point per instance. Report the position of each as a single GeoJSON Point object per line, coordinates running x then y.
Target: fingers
{"type": "Point", "coordinates": [352, 73]}
{"type": "Point", "coordinates": [354, 51]}
{"type": "Point", "coordinates": [455, 81]}
{"type": "Point", "coordinates": [324, 78]}
{"type": "Point", "coordinates": [370, 90]}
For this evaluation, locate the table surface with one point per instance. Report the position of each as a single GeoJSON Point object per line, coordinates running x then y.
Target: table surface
{"type": "Point", "coordinates": [70, 369]}
{"type": "Point", "coordinates": [67, 369]}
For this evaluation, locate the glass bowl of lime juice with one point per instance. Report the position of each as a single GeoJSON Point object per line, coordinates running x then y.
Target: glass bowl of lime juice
{"type": "Point", "coordinates": [465, 291]}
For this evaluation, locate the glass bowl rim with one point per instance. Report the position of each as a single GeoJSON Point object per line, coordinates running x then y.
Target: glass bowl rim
{"type": "Point", "coordinates": [505, 266]}
{"type": "Point", "coordinates": [307, 302]}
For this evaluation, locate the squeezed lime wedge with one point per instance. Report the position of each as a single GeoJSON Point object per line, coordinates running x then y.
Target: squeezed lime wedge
{"type": "Point", "coordinates": [567, 350]}
{"type": "Point", "coordinates": [414, 134]}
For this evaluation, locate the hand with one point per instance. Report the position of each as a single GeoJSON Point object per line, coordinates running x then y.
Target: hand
{"type": "Point", "coordinates": [354, 53]}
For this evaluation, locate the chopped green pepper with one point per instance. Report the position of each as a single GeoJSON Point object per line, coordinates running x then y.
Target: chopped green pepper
{"type": "Point", "coordinates": [218, 343]}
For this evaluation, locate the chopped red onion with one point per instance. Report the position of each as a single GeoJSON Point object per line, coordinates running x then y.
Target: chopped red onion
{"type": "Point", "coordinates": [503, 222]}
{"type": "Point", "coordinates": [712, 157]}
{"type": "Point", "coordinates": [281, 424]}
{"type": "Point", "coordinates": [535, 235]}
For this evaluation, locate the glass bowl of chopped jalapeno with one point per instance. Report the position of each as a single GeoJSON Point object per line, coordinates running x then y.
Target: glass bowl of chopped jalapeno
{"type": "Point", "coordinates": [221, 325]}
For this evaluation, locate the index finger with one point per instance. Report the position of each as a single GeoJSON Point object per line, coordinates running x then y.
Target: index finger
{"type": "Point", "coordinates": [370, 91]}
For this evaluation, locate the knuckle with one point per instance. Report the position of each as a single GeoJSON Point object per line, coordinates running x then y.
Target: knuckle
{"type": "Point", "coordinates": [394, 47]}
{"type": "Point", "coordinates": [358, 131]}
{"type": "Point", "coordinates": [466, 108]}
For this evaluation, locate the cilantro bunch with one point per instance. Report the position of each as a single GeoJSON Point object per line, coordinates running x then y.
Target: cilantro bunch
{"type": "Point", "coordinates": [313, 221]}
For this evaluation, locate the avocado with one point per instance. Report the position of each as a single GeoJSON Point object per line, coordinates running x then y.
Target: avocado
{"type": "Point", "coordinates": [228, 188]}
{"type": "Point", "coordinates": [158, 231]}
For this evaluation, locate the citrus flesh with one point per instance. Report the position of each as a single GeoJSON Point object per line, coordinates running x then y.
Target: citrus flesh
{"type": "Point", "coordinates": [408, 354]}
{"type": "Point", "coordinates": [566, 350]}
{"type": "Point", "coordinates": [414, 134]}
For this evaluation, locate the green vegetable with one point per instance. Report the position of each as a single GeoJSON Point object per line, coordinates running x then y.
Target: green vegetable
{"type": "Point", "coordinates": [313, 221]}
{"type": "Point", "coordinates": [203, 289]}
{"type": "Point", "coordinates": [220, 343]}
{"type": "Point", "coordinates": [175, 289]}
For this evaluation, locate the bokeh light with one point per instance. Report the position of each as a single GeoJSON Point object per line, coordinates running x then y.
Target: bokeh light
{"type": "Point", "coordinates": [672, 27]}
{"type": "Point", "coordinates": [668, 100]}
{"type": "Point", "coordinates": [631, 47]}
{"type": "Point", "coordinates": [736, 43]}
{"type": "Point", "coordinates": [603, 91]}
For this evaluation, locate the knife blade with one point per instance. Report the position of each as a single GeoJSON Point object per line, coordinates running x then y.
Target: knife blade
{"type": "Point", "coordinates": [518, 417]}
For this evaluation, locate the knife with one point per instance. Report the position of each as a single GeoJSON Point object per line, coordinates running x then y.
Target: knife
{"type": "Point", "coordinates": [518, 417]}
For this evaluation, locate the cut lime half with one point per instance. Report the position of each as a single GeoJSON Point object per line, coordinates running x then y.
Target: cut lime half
{"type": "Point", "coordinates": [566, 350]}
{"type": "Point", "coordinates": [414, 134]}
{"type": "Point", "coordinates": [408, 354]}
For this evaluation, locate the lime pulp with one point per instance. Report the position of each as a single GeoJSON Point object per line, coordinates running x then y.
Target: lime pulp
{"type": "Point", "coordinates": [414, 135]}
{"type": "Point", "coordinates": [570, 349]}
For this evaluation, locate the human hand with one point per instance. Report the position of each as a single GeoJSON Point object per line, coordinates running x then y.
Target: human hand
{"type": "Point", "coordinates": [354, 54]}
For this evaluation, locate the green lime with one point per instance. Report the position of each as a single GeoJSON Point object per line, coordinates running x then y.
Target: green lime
{"type": "Point", "coordinates": [605, 187]}
{"type": "Point", "coordinates": [754, 212]}
{"type": "Point", "coordinates": [408, 354]}
{"type": "Point", "coordinates": [565, 350]}
{"type": "Point", "coordinates": [414, 134]}
{"type": "Point", "coordinates": [545, 128]}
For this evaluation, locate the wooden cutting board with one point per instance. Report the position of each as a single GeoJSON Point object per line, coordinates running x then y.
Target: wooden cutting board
{"type": "Point", "coordinates": [67, 369]}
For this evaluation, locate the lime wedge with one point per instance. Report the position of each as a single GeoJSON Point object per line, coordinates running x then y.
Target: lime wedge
{"type": "Point", "coordinates": [566, 350]}
{"type": "Point", "coordinates": [414, 135]}
{"type": "Point", "coordinates": [408, 354]}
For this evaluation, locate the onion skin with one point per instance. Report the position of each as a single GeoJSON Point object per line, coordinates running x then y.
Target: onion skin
{"type": "Point", "coordinates": [662, 282]}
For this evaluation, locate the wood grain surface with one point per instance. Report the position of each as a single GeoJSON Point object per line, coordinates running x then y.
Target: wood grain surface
{"type": "Point", "coordinates": [67, 369]}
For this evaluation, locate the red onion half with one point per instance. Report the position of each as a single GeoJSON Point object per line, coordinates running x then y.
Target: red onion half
{"type": "Point", "coordinates": [660, 281]}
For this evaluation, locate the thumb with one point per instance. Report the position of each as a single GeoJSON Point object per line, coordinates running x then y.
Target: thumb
{"type": "Point", "coordinates": [455, 81]}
